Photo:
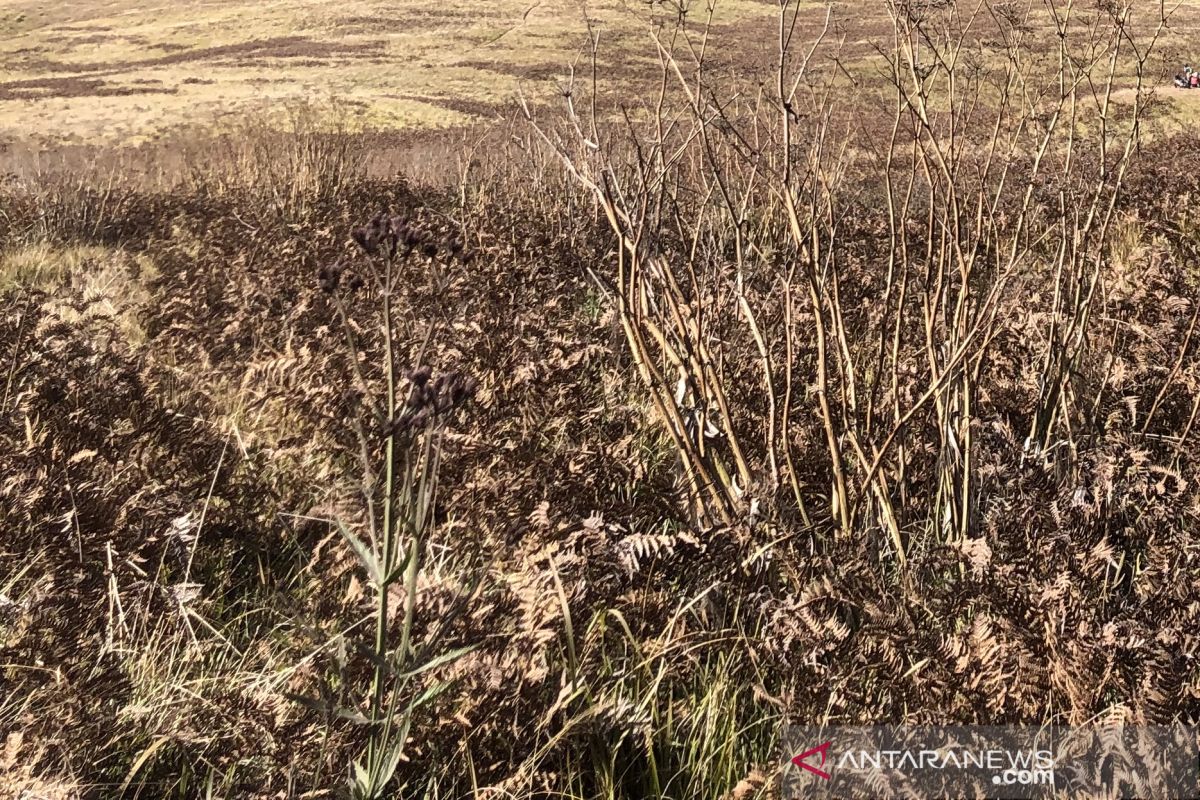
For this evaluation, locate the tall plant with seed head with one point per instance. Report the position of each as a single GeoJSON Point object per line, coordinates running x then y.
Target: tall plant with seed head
{"type": "Point", "coordinates": [401, 432]}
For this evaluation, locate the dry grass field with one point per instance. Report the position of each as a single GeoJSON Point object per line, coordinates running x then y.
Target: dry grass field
{"type": "Point", "coordinates": [131, 71]}
{"type": "Point", "coordinates": [366, 432]}
{"type": "Point", "coordinates": [126, 73]}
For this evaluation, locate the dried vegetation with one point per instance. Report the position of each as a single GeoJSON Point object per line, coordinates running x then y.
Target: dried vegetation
{"type": "Point", "coordinates": [580, 473]}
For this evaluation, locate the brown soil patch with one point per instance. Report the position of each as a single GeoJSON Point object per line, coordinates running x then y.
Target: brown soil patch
{"type": "Point", "coordinates": [41, 88]}
{"type": "Point", "coordinates": [243, 53]}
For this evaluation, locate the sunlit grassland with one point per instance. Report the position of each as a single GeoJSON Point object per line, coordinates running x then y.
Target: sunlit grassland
{"type": "Point", "coordinates": [127, 72]}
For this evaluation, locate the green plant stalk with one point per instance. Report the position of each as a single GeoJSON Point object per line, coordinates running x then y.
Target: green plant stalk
{"type": "Point", "coordinates": [389, 533]}
{"type": "Point", "coordinates": [418, 521]}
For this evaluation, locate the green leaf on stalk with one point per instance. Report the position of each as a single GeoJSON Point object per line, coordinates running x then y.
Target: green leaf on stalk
{"type": "Point", "coordinates": [364, 553]}
{"type": "Point", "coordinates": [444, 658]}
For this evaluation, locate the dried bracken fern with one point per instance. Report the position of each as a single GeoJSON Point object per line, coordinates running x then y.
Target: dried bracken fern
{"type": "Point", "coordinates": [674, 515]}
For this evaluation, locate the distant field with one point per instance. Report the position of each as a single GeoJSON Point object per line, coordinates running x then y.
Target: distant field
{"type": "Point", "coordinates": [120, 71]}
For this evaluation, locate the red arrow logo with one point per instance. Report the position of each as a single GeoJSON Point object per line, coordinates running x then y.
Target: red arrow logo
{"type": "Point", "coordinates": [823, 749]}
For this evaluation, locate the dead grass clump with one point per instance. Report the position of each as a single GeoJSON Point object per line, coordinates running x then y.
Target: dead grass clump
{"type": "Point", "coordinates": [290, 165]}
